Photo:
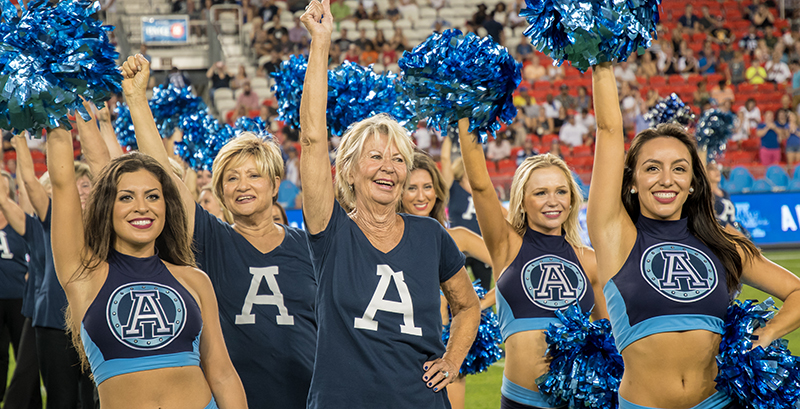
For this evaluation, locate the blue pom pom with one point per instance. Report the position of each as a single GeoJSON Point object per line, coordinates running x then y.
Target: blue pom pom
{"type": "Point", "coordinates": [288, 89]}
{"type": "Point", "coordinates": [49, 56]}
{"type": "Point", "coordinates": [669, 109]}
{"type": "Point", "coordinates": [585, 368]}
{"type": "Point", "coordinates": [713, 131]}
{"type": "Point", "coordinates": [123, 127]}
{"type": "Point", "coordinates": [170, 104]}
{"type": "Point", "coordinates": [758, 378]}
{"type": "Point", "coordinates": [452, 76]}
{"type": "Point", "coordinates": [485, 350]}
{"type": "Point", "coordinates": [588, 32]}
{"type": "Point", "coordinates": [203, 137]}
{"type": "Point", "coordinates": [256, 126]}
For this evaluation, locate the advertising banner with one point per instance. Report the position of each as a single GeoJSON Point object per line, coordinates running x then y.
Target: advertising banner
{"type": "Point", "coordinates": [165, 30]}
{"type": "Point", "coordinates": [771, 218]}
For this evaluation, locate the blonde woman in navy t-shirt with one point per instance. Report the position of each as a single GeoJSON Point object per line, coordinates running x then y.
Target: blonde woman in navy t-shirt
{"type": "Point", "coordinates": [378, 272]}
{"type": "Point", "coordinates": [668, 268]}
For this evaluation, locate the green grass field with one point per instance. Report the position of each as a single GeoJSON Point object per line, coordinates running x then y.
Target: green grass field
{"type": "Point", "coordinates": [483, 390]}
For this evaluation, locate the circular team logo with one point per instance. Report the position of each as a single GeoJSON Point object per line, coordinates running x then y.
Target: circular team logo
{"type": "Point", "coordinates": [553, 283]}
{"type": "Point", "coordinates": [145, 315]}
{"type": "Point", "coordinates": [679, 272]}
{"type": "Point", "coordinates": [177, 31]}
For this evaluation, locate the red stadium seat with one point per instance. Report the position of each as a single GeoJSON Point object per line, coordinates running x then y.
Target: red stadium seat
{"type": "Point", "coordinates": [751, 144]}
{"type": "Point", "coordinates": [506, 165]}
{"type": "Point", "coordinates": [676, 80]}
{"type": "Point", "coordinates": [746, 87]}
{"type": "Point", "coordinates": [657, 81]}
{"type": "Point", "coordinates": [491, 166]}
{"type": "Point", "coordinates": [581, 151]}
{"type": "Point", "coordinates": [548, 139]}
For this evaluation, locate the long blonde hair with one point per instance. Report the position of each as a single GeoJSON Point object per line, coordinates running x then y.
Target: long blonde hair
{"type": "Point", "coordinates": [516, 213]}
{"type": "Point", "coordinates": [352, 144]}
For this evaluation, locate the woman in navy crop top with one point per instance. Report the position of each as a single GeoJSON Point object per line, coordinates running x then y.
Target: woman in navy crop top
{"type": "Point", "coordinates": [147, 318]}
{"type": "Point", "coordinates": [667, 265]}
{"type": "Point", "coordinates": [426, 195]}
{"type": "Point", "coordinates": [544, 265]}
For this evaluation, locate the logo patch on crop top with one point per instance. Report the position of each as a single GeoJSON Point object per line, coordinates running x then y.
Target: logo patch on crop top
{"type": "Point", "coordinates": [553, 283]}
{"type": "Point", "coordinates": [145, 315]}
{"type": "Point", "coordinates": [681, 273]}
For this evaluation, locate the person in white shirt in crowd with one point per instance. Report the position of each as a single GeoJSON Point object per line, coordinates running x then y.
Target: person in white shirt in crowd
{"type": "Point", "coordinates": [777, 70]}
{"type": "Point", "coordinates": [551, 106]}
{"type": "Point", "coordinates": [423, 136]}
{"type": "Point", "coordinates": [586, 119]}
{"type": "Point", "coordinates": [499, 149]}
{"type": "Point", "coordinates": [625, 72]}
{"type": "Point", "coordinates": [749, 118]}
{"type": "Point", "coordinates": [572, 133]}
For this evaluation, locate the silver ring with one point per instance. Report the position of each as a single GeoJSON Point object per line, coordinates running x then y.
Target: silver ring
{"type": "Point", "coordinates": [446, 374]}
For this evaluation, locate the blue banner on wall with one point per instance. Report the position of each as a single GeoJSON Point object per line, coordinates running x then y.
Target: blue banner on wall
{"type": "Point", "coordinates": [295, 218]}
{"type": "Point", "coordinates": [165, 30]}
{"type": "Point", "coordinates": [771, 218]}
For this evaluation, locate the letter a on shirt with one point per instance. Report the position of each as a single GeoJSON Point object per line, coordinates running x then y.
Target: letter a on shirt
{"type": "Point", "coordinates": [276, 299]}
{"type": "Point", "coordinates": [404, 306]}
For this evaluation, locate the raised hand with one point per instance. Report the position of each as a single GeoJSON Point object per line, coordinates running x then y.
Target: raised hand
{"type": "Point", "coordinates": [318, 19]}
{"type": "Point", "coordinates": [136, 75]}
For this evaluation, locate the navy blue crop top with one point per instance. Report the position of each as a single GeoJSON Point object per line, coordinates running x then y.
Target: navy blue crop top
{"type": "Point", "coordinates": [670, 282]}
{"type": "Point", "coordinates": [141, 319]}
{"type": "Point", "coordinates": [546, 276]}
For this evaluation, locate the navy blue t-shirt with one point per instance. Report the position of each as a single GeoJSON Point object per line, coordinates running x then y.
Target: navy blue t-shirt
{"type": "Point", "coordinates": [770, 139]}
{"type": "Point", "coordinates": [51, 301]}
{"type": "Point", "coordinates": [266, 308]}
{"type": "Point", "coordinates": [378, 314]}
{"type": "Point", "coordinates": [34, 238]}
{"type": "Point", "coordinates": [13, 263]}
{"type": "Point", "coordinates": [461, 209]}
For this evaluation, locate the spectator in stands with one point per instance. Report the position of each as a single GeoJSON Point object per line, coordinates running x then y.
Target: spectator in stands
{"type": "Point", "coordinates": [625, 72]}
{"type": "Point", "coordinates": [794, 66]}
{"type": "Point", "coordinates": [560, 120]}
{"type": "Point", "coordinates": [701, 96]}
{"type": "Point", "coordinates": [526, 152]}
{"type": "Point", "coordinates": [771, 134]}
{"type": "Point", "coordinates": [370, 55]}
{"type": "Point", "coordinates": [344, 39]}
{"type": "Point", "coordinates": [762, 54]}
{"type": "Point", "coordinates": [240, 78]}
{"type": "Point", "coordinates": [708, 59]}
{"type": "Point", "coordinates": [777, 70]}
{"type": "Point", "coordinates": [500, 13]}
{"type": "Point", "coordinates": [392, 12]}
{"type": "Point", "coordinates": [629, 104]}
{"type": "Point", "coordinates": [749, 118]}
{"type": "Point", "coordinates": [360, 13]}
{"type": "Point", "coordinates": [736, 69]}
{"type": "Point", "coordinates": [727, 53]}
{"type": "Point", "coordinates": [533, 70]}
{"type": "Point", "coordinates": [268, 10]}
{"type": "Point", "coordinates": [667, 63]}
{"type": "Point", "coordinates": [273, 64]}
{"type": "Point", "coordinates": [527, 107]}
{"type": "Point", "coordinates": [248, 99]}
{"type": "Point", "coordinates": [480, 16]}
{"type": "Point", "coordinates": [179, 6]}
{"type": "Point", "coordinates": [362, 40]}
{"type": "Point", "coordinates": [494, 29]}
{"type": "Point", "coordinates": [334, 56]}
{"type": "Point", "coordinates": [524, 48]}
{"type": "Point", "coordinates": [647, 67]}
{"type": "Point", "coordinates": [544, 124]}
{"type": "Point", "coordinates": [375, 14]}
{"type": "Point", "coordinates": [408, 8]}
{"type": "Point", "coordinates": [423, 136]}
{"type": "Point", "coordinates": [555, 73]}
{"type": "Point", "coordinates": [707, 22]}
{"type": "Point", "coordinates": [755, 74]}
{"type": "Point", "coordinates": [762, 18]}
{"type": "Point", "coordinates": [551, 106]}
{"type": "Point", "coordinates": [586, 119]}
{"type": "Point", "coordinates": [388, 54]}
{"type": "Point", "coordinates": [769, 37]}
{"type": "Point", "coordinates": [219, 77]}
{"type": "Point", "coordinates": [514, 19]}
{"type": "Point", "coordinates": [379, 39]}
{"type": "Point", "coordinates": [292, 166]}
{"type": "Point", "coordinates": [399, 40]}
{"type": "Point", "coordinates": [277, 32]}
{"type": "Point", "coordinates": [786, 105]}
{"type": "Point", "coordinates": [498, 150]}
{"type": "Point", "coordinates": [353, 54]}
{"type": "Point", "coordinates": [177, 78]}
{"type": "Point", "coordinates": [688, 20]}
{"type": "Point", "coordinates": [651, 99]}
{"type": "Point", "coordinates": [749, 41]}
{"type": "Point", "coordinates": [687, 64]}
{"type": "Point", "coordinates": [722, 92]}
{"type": "Point", "coordinates": [566, 100]}
{"type": "Point", "coordinates": [583, 100]}
{"type": "Point", "coordinates": [748, 11]}
{"type": "Point", "coordinates": [793, 142]}
{"type": "Point", "coordinates": [298, 34]}
{"type": "Point", "coordinates": [340, 10]}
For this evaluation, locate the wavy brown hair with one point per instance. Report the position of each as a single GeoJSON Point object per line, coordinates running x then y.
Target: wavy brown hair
{"type": "Point", "coordinates": [425, 162]}
{"type": "Point", "coordinates": [699, 206]}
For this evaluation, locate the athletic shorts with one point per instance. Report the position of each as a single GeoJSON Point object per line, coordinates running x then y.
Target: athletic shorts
{"type": "Point", "coordinates": [514, 396]}
{"type": "Point", "coordinates": [718, 400]}
{"type": "Point", "coordinates": [212, 404]}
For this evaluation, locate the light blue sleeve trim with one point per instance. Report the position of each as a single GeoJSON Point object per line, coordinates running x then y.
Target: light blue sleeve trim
{"type": "Point", "coordinates": [103, 370]}
{"type": "Point", "coordinates": [510, 325]}
{"type": "Point", "coordinates": [625, 334]}
{"type": "Point", "coordinates": [523, 395]}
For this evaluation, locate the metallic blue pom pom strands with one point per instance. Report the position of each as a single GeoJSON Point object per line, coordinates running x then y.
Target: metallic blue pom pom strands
{"type": "Point", "coordinates": [713, 131]}
{"type": "Point", "coordinates": [588, 32]}
{"type": "Point", "coordinates": [204, 136]}
{"type": "Point", "coordinates": [485, 350]}
{"type": "Point", "coordinates": [288, 89]}
{"type": "Point", "coordinates": [354, 94]}
{"type": "Point", "coordinates": [586, 369]}
{"type": "Point", "coordinates": [123, 127]}
{"type": "Point", "coordinates": [452, 76]}
{"type": "Point", "coordinates": [758, 378]}
{"type": "Point", "coordinates": [669, 109]}
{"type": "Point", "coordinates": [49, 56]}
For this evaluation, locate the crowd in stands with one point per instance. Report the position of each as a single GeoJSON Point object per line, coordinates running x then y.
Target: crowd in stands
{"type": "Point", "coordinates": [733, 55]}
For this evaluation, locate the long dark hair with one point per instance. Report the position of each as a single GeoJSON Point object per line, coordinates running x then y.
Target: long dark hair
{"type": "Point", "coordinates": [173, 244]}
{"type": "Point", "coordinates": [699, 206]}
